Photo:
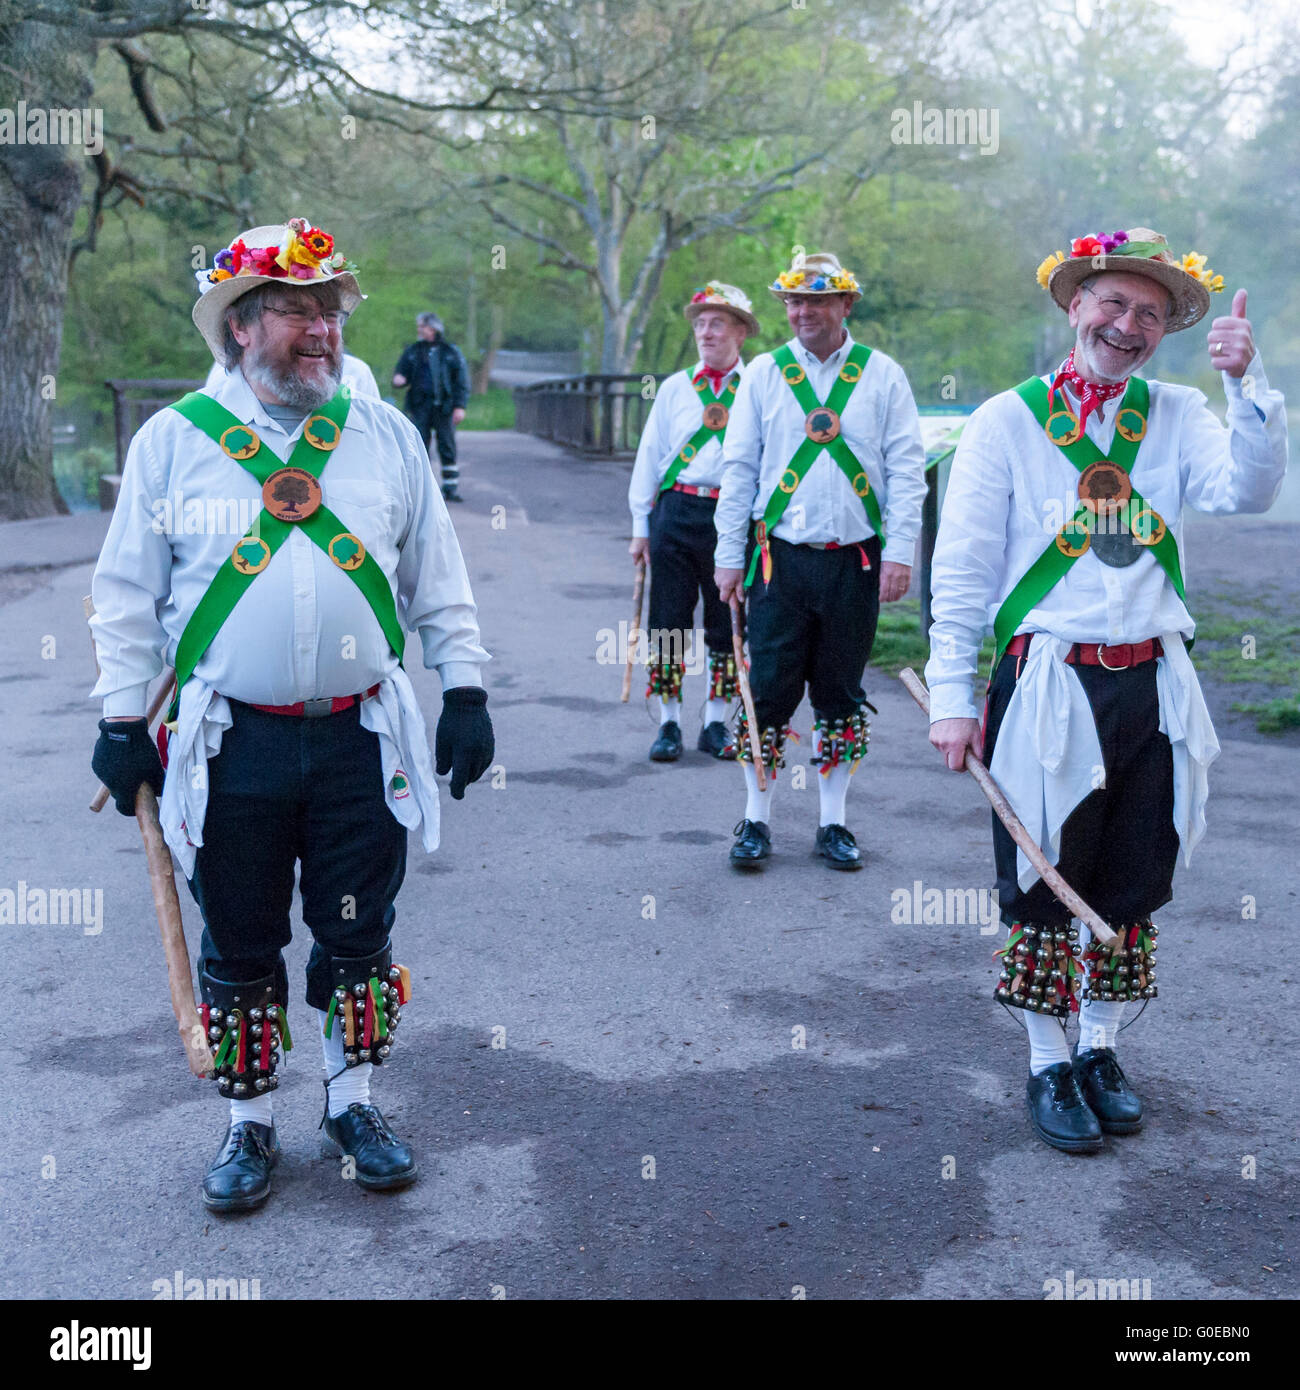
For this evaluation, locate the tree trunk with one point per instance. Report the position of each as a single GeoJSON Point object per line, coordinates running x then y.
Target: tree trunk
{"type": "Point", "coordinates": [40, 192]}
{"type": "Point", "coordinates": [483, 373]}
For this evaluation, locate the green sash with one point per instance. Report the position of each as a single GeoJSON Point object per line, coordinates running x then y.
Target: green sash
{"type": "Point", "coordinates": [268, 533]}
{"type": "Point", "coordinates": [810, 450]}
{"type": "Point", "coordinates": [705, 432]}
{"type": "Point", "coordinates": [1074, 537]}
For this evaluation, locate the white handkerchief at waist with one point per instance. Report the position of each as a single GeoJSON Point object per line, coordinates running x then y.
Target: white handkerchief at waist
{"type": "Point", "coordinates": [201, 721]}
{"type": "Point", "coordinates": [409, 786]}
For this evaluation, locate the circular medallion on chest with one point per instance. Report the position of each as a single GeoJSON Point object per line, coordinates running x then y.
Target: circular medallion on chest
{"type": "Point", "coordinates": [291, 494]}
{"type": "Point", "coordinates": [1105, 486]}
{"type": "Point", "coordinates": [822, 425]}
{"type": "Point", "coordinates": [716, 416]}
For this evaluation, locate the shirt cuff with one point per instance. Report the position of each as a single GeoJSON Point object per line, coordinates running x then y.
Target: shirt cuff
{"type": "Point", "coordinates": [454, 674]}
{"type": "Point", "coordinates": [952, 700]}
{"type": "Point", "coordinates": [129, 701]}
{"type": "Point", "coordinates": [640, 528]}
{"type": "Point", "coordinates": [1235, 387]}
{"type": "Point", "coordinates": [898, 551]}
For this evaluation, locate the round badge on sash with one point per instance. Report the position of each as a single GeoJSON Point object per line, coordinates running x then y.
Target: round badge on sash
{"type": "Point", "coordinates": [1065, 433]}
{"type": "Point", "coordinates": [1105, 485]}
{"type": "Point", "coordinates": [1148, 527]}
{"type": "Point", "coordinates": [239, 443]}
{"type": "Point", "coordinates": [687, 453]}
{"type": "Point", "coordinates": [716, 416]}
{"type": "Point", "coordinates": [862, 484]}
{"type": "Point", "coordinates": [322, 433]}
{"type": "Point", "coordinates": [793, 373]}
{"type": "Point", "coordinates": [346, 551]}
{"type": "Point", "coordinates": [1072, 540]}
{"type": "Point", "coordinates": [851, 372]}
{"type": "Point", "coordinates": [822, 425]}
{"type": "Point", "coordinates": [1131, 424]}
{"type": "Point", "coordinates": [291, 494]}
{"type": "Point", "coordinates": [789, 480]}
{"type": "Point", "coordinates": [251, 555]}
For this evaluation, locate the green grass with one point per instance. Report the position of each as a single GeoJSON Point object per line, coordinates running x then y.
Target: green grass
{"type": "Point", "coordinates": [899, 642]}
{"type": "Point", "coordinates": [1248, 644]}
{"type": "Point", "coordinates": [493, 411]}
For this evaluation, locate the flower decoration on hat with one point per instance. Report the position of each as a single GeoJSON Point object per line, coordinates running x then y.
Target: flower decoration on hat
{"type": "Point", "coordinates": [1120, 244]}
{"type": "Point", "coordinates": [1194, 265]}
{"type": "Point", "coordinates": [712, 293]}
{"type": "Point", "coordinates": [304, 253]}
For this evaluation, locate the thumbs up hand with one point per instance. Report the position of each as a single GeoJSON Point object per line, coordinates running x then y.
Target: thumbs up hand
{"type": "Point", "coordinates": [1231, 344]}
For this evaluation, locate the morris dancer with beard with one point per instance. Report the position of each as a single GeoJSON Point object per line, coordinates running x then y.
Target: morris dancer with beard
{"type": "Point", "coordinates": [296, 738]}
{"type": "Point", "coordinates": [1061, 525]}
{"type": "Point", "coordinates": [672, 495]}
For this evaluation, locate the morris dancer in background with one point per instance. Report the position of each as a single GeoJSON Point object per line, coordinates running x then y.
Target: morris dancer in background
{"type": "Point", "coordinates": [672, 495]}
{"type": "Point", "coordinates": [835, 420]}
{"type": "Point", "coordinates": [1063, 517]}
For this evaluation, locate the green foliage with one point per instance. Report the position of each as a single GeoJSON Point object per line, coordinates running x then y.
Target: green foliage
{"type": "Point", "coordinates": [899, 641]}
{"type": "Point", "coordinates": [494, 410]}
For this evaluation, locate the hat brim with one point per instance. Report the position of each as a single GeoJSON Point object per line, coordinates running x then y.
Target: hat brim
{"type": "Point", "coordinates": [1189, 300]}
{"type": "Point", "coordinates": [854, 295]}
{"type": "Point", "coordinates": [692, 311]}
{"type": "Point", "coordinates": [209, 310]}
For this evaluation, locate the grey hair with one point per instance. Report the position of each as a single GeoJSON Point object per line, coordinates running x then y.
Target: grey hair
{"type": "Point", "coordinates": [250, 307]}
{"type": "Point", "coordinates": [430, 319]}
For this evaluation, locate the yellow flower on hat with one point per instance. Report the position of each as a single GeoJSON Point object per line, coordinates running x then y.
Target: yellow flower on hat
{"type": "Point", "coordinates": [1195, 266]}
{"type": "Point", "coordinates": [790, 279]}
{"type": "Point", "coordinates": [845, 280]}
{"type": "Point", "coordinates": [1043, 274]}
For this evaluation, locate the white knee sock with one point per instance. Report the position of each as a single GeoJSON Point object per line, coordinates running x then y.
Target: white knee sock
{"type": "Point", "coordinates": [1047, 1044]}
{"type": "Point", "coordinates": [257, 1109]}
{"type": "Point", "coordinates": [1099, 1022]}
{"type": "Point", "coordinates": [670, 710]}
{"type": "Point", "coordinates": [715, 711]}
{"type": "Point", "coordinates": [833, 792]}
{"type": "Point", "coordinates": [758, 805]}
{"type": "Point", "coordinates": [353, 1085]}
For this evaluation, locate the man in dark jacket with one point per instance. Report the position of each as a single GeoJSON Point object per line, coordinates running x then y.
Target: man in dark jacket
{"type": "Point", "coordinates": [437, 379]}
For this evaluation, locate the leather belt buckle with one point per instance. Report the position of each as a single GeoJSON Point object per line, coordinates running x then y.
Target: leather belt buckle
{"type": "Point", "coordinates": [314, 709]}
{"type": "Point", "coordinates": [1125, 647]}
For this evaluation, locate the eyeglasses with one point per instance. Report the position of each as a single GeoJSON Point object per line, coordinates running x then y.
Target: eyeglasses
{"type": "Point", "coordinates": [299, 318]}
{"type": "Point", "coordinates": [1115, 308]}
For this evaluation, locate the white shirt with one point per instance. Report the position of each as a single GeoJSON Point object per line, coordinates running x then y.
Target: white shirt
{"type": "Point", "coordinates": [1011, 489]}
{"type": "Point", "coordinates": [879, 424]}
{"type": "Point", "coordinates": [355, 374]}
{"type": "Point", "coordinates": [674, 417]}
{"type": "Point", "coordinates": [303, 629]}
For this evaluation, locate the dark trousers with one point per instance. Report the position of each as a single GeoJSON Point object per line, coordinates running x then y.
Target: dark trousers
{"type": "Point", "coordinates": [1119, 845]}
{"type": "Point", "coordinates": [285, 791]}
{"type": "Point", "coordinates": [433, 419]}
{"type": "Point", "coordinates": [682, 540]}
{"type": "Point", "coordinates": [812, 625]}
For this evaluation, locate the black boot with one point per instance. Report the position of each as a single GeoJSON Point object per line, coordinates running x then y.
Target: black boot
{"type": "Point", "coordinates": [450, 494]}
{"type": "Point", "coordinates": [383, 1161]}
{"type": "Point", "coordinates": [837, 846]}
{"type": "Point", "coordinates": [715, 739]}
{"type": "Point", "coordinates": [667, 748]}
{"type": "Point", "coordinates": [1058, 1112]}
{"type": "Point", "coordinates": [753, 844]}
{"type": "Point", "coordinates": [1106, 1090]}
{"type": "Point", "coordinates": [240, 1176]}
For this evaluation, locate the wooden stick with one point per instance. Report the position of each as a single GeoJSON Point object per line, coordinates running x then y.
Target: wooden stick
{"type": "Point", "coordinates": [162, 881]}
{"type": "Point", "coordinates": [638, 593]}
{"type": "Point", "coordinates": [1022, 837]}
{"type": "Point", "coordinates": [747, 695]}
{"type": "Point", "coordinates": [155, 705]}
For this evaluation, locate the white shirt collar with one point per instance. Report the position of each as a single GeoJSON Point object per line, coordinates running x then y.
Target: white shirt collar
{"type": "Point", "coordinates": [834, 360]}
{"type": "Point", "coordinates": [737, 370]}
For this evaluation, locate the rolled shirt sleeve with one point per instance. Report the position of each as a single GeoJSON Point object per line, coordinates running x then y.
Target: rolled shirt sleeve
{"type": "Point", "coordinates": [742, 451]}
{"type": "Point", "coordinates": [1240, 467]}
{"type": "Point", "coordinates": [903, 453]}
{"type": "Point", "coordinates": [643, 490]}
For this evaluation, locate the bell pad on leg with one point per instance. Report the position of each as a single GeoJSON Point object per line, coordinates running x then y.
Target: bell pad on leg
{"type": "Point", "coordinates": [771, 742]}
{"type": "Point", "coordinates": [369, 992]}
{"type": "Point", "coordinates": [665, 678]}
{"type": "Point", "coordinates": [840, 741]}
{"type": "Point", "coordinates": [1040, 969]}
{"type": "Point", "coordinates": [246, 1027]}
{"type": "Point", "coordinates": [724, 683]}
{"type": "Point", "coordinates": [1129, 971]}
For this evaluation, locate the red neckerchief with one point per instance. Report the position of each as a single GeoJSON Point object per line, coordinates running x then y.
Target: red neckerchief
{"type": "Point", "coordinates": [716, 378]}
{"type": "Point", "coordinates": [1090, 393]}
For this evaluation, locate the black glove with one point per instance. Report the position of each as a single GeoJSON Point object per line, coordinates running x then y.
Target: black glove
{"type": "Point", "coordinates": [124, 758]}
{"type": "Point", "coordinates": [464, 743]}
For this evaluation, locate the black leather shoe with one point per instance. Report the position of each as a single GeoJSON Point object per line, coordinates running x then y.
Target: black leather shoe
{"type": "Point", "coordinates": [667, 748]}
{"type": "Point", "coordinates": [240, 1176]}
{"type": "Point", "coordinates": [837, 846]}
{"type": "Point", "coordinates": [753, 844]}
{"type": "Point", "coordinates": [1059, 1113]}
{"type": "Point", "coordinates": [715, 740]}
{"type": "Point", "coordinates": [449, 494]}
{"type": "Point", "coordinates": [1106, 1090]}
{"type": "Point", "coordinates": [382, 1160]}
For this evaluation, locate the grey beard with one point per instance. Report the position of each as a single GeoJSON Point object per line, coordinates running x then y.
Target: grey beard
{"type": "Point", "coordinates": [290, 388]}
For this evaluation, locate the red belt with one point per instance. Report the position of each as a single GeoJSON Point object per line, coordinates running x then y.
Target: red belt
{"type": "Point", "coordinates": [835, 545]}
{"type": "Point", "coordinates": [713, 492]}
{"type": "Point", "coordinates": [1116, 658]}
{"type": "Point", "coordinates": [314, 709]}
